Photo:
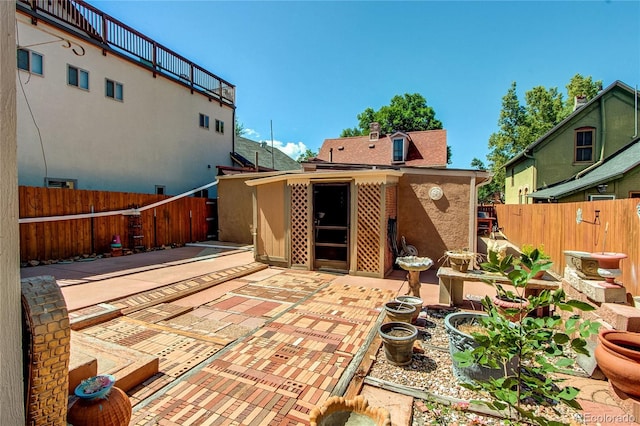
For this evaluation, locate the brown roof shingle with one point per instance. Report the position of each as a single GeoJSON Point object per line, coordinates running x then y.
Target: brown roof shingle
{"type": "Point", "coordinates": [426, 148]}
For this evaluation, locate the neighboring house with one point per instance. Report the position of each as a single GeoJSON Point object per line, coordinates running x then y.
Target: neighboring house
{"type": "Point", "coordinates": [103, 107]}
{"type": "Point", "coordinates": [426, 148]}
{"type": "Point", "coordinates": [247, 152]}
{"type": "Point", "coordinates": [574, 160]}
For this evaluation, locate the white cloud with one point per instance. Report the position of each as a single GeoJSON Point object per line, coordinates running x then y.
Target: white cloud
{"type": "Point", "coordinates": [292, 149]}
{"type": "Point", "coordinates": [251, 134]}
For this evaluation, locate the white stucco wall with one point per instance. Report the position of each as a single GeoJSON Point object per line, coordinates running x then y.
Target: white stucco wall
{"type": "Point", "coordinates": [151, 138]}
{"type": "Point", "coordinates": [11, 386]}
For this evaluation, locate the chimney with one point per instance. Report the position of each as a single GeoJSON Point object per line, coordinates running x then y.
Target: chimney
{"type": "Point", "coordinates": [579, 101]}
{"type": "Point", "coordinates": [374, 131]}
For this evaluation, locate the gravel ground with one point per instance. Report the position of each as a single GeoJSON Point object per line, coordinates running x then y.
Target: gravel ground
{"type": "Point", "coordinates": [432, 372]}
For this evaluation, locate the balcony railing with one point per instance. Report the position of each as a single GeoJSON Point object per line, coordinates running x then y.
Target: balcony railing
{"type": "Point", "coordinates": [105, 30]}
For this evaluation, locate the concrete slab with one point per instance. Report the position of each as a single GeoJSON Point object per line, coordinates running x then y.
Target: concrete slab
{"type": "Point", "coordinates": [400, 406]}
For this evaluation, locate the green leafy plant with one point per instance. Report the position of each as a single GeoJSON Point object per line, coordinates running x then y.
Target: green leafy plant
{"type": "Point", "coordinates": [535, 253]}
{"type": "Point", "coordinates": [532, 343]}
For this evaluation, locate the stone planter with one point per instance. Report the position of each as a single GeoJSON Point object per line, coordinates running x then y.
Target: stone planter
{"type": "Point", "coordinates": [618, 356]}
{"type": "Point", "coordinates": [609, 266]}
{"type": "Point", "coordinates": [416, 302]}
{"type": "Point", "coordinates": [459, 260]}
{"type": "Point", "coordinates": [399, 311]}
{"type": "Point", "coordinates": [506, 308]}
{"type": "Point", "coordinates": [397, 339]}
{"type": "Point", "coordinates": [460, 341]}
{"type": "Point", "coordinates": [337, 411]}
{"type": "Point", "coordinates": [585, 265]}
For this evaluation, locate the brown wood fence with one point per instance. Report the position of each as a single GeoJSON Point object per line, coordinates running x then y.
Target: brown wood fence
{"type": "Point", "coordinates": [180, 221]}
{"type": "Point", "coordinates": [555, 226]}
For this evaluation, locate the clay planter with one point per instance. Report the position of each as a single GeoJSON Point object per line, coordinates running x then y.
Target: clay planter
{"type": "Point", "coordinates": [397, 339]}
{"type": "Point", "coordinates": [399, 311]}
{"type": "Point", "coordinates": [618, 356]}
{"type": "Point", "coordinates": [609, 266]}
{"type": "Point", "coordinates": [337, 411]}
{"type": "Point", "coordinates": [113, 409]}
{"type": "Point", "coordinates": [502, 305]}
{"type": "Point", "coordinates": [459, 260]}
{"type": "Point", "coordinates": [413, 301]}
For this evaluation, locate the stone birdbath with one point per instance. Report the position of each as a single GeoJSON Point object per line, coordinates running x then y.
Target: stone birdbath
{"type": "Point", "coordinates": [414, 265]}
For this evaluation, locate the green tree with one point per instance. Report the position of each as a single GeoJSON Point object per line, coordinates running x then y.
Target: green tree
{"type": "Point", "coordinates": [520, 125]}
{"type": "Point", "coordinates": [239, 128]}
{"type": "Point", "coordinates": [307, 155]}
{"type": "Point", "coordinates": [406, 113]}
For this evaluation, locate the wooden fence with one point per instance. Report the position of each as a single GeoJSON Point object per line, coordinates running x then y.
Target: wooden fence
{"type": "Point", "coordinates": [616, 230]}
{"type": "Point", "coordinates": [180, 221]}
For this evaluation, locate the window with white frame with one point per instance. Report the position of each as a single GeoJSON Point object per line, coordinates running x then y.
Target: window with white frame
{"type": "Point", "coordinates": [219, 126]}
{"type": "Point", "coordinates": [398, 149]}
{"type": "Point", "coordinates": [77, 77]}
{"type": "Point", "coordinates": [584, 144]}
{"type": "Point", "coordinates": [113, 90]}
{"type": "Point", "coordinates": [204, 121]}
{"type": "Point", "coordinates": [597, 197]}
{"type": "Point", "coordinates": [30, 61]}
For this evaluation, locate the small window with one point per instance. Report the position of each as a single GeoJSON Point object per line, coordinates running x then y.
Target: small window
{"type": "Point", "coordinates": [634, 194]}
{"type": "Point", "coordinates": [398, 150]}
{"type": "Point", "coordinates": [61, 183]}
{"type": "Point", "coordinates": [113, 90]}
{"type": "Point", "coordinates": [584, 141]}
{"type": "Point", "coordinates": [512, 177]}
{"type": "Point", "coordinates": [204, 121]}
{"type": "Point", "coordinates": [160, 189]}
{"type": "Point", "coordinates": [30, 61]}
{"type": "Point", "coordinates": [219, 126]}
{"type": "Point", "coordinates": [598, 197]}
{"type": "Point", "coordinates": [77, 77]}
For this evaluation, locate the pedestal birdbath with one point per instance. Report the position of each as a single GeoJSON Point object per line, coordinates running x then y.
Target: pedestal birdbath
{"type": "Point", "coordinates": [414, 265]}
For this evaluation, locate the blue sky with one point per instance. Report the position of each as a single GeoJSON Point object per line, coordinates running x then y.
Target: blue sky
{"type": "Point", "coordinates": [310, 67]}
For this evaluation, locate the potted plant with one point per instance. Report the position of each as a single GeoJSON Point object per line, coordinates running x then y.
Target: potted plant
{"type": "Point", "coordinates": [535, 254]}
{"type": "Point", "coordinates": [460, 259]}
{"type": "Point", "coordinates": [529, 343]}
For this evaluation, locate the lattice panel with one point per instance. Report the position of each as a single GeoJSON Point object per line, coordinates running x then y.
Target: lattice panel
{"type": "Point", "coordinates": [369, 200]}
{"type": "Point", "coordinates": [299, 224]}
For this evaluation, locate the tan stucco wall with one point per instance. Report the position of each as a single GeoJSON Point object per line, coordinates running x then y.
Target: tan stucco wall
{"type": "Point", "coordinates": [151, 138]}
{"type": "Point", "coordinates": [235, 210]}
{"type": "Point", "coordinates": [434, 226]}
{"type": "Point", "coordinates": [11, 391]}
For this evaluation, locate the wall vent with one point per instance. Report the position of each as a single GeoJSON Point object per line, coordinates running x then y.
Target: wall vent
{"type": "Point", "coordinates": [579, 101]}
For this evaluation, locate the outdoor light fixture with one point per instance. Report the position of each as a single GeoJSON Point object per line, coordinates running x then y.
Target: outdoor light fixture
{"type": "Point", "coordinates": [602, 188]}
{"type": "Point", "coordinates": [435, 193]}
{"type": "Point", "coordinates": [596, 219]}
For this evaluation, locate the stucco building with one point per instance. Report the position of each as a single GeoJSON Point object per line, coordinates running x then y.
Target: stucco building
{"type": "Point", "coordinates": [102, 106]}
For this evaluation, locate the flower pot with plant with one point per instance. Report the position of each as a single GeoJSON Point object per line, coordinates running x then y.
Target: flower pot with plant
{"type": "Point", "coordinates": [531, 342]}
{"type": "Point", "coordinates": [536, 254]}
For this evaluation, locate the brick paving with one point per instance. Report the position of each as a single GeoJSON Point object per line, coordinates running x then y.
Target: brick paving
{"type": "Point", "coordinates": [263, 354]}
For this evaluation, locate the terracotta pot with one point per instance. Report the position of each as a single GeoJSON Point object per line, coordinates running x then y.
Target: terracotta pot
{"type": "Point", "coordinates": [114, 409]}
{"type": "Point", "coordinates": [609, 265]}
{"type": "Point", "coordinates": [502, 305]}
{"type": "Point", "coordinates": [337, 411]}
{"type": "Point", "coordinates": [618, 356]}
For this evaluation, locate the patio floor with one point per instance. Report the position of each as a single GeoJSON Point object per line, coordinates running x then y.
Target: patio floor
{"type": "Point", "coordinates": [239, 344]}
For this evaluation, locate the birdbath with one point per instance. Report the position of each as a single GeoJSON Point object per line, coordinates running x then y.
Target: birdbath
{"type": "Point", "coordinates": [414, 265]}
{"type": "Point", "coordinates": [608, 267]}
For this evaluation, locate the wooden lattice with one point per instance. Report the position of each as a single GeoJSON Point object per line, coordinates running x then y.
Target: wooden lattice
{"type": "Point", "coordinates": [369, 199]}
{"type": "Point", "coordinates": [299, 224]}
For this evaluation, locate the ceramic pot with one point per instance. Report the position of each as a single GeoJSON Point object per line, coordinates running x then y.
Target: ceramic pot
{"type": "Point", "coordinates": [399, 311]}
{"type": "Point", "coordinates": [507, 308]}
{"type": "Point", "coordinates": [460, 341]}
{"type": "Point", "coordinates": [113, 409]}
{"type": "Point", "coordinates": [416, 302]}
{"type": "Point", "coordinates": [397, 339]}
{"type": "Point", "coordinates": [337, 411]}
{"type": "Point", "coordinates": [618, 356]}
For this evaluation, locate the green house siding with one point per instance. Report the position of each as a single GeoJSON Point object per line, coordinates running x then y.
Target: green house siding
{"type": "Point", "coordinates": [612, 117]}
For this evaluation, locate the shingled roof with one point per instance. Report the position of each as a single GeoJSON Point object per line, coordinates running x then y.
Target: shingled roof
{"type": "Point", "coordinates": [267, 160]}
{"type": "Point", "coordinates": [427, 148]}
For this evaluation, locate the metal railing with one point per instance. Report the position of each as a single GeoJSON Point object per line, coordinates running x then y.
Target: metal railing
{"type": "Point", "coordinates": [123, 39]}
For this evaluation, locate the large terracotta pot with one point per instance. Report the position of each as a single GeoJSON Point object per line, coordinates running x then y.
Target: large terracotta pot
{"type": "Point", "coordinates": [618, 356]}
{"type": "Point", "coordinates": [502, 305]}
{"type": "Point", "coordinates": [609, 266]}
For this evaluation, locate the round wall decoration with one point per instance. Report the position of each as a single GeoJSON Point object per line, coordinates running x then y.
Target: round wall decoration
{"type": "Point", "coordinates": [435, 193]}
